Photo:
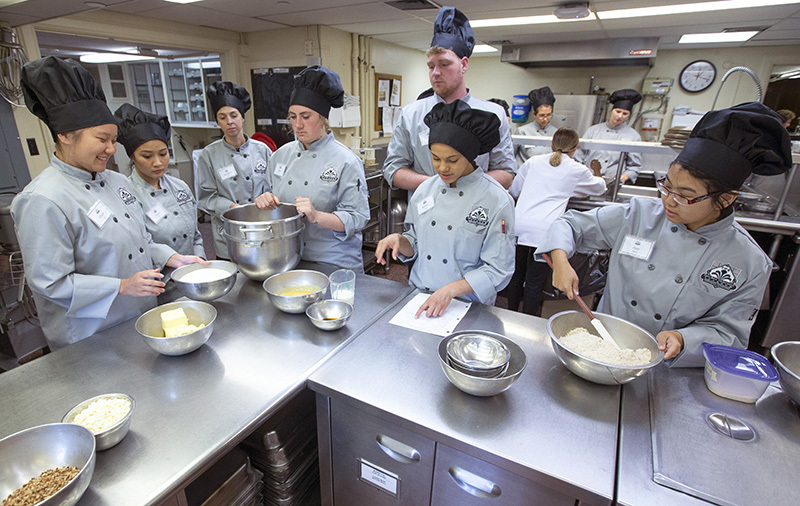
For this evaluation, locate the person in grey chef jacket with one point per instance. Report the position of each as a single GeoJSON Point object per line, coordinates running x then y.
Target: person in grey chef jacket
{"type": "Point", "coordinates": [459, 225]}
{"type": "Point", "coordinates": [603, 162]}
{"type": "Point", "coordinates": [89, 260]}
{"type": "Point", "coordinates": [682, 268]}
{"type": "Point", "coordinates": [542, 101]}
{"type": "Point", "coordinates": [322, 177]}
{"type": "Point", "coordinates": [168, 203]}
{"type": "Point", "coordinates": [232, 170]}
{"type": "Point", "coordinates": [408, 157]}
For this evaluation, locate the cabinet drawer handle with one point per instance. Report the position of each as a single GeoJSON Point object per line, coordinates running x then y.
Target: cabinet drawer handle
{"type": "Point", "coordinates": [474, 484]}
{"type": "Point", "coordinates": [396, 450]}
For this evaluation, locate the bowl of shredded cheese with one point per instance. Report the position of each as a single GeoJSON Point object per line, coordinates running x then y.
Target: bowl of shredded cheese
{"type": "Point", "coordinates": [107, 416]}
{"type": "Point", "coordinates": [177, 328]}
{"type": "Point", "coordinates": [592, 358]}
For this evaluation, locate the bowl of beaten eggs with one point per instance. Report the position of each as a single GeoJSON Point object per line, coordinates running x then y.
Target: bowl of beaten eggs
{"type": "Point", "coordinates": [293, 291]}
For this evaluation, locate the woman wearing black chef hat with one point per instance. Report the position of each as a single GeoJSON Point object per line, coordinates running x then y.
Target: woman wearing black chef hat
{"type": "Point", "coordinates": [88, 258]}
{"type": "Point", "coordinates": [233, 170]}
{"type": "Point", "coordinates": [542, 101]}
{"type": "Point", "coordinates": [683, 268]}
{"type": "Point", "coordinates": [169, 206]}
{"type": "Point", "coordinates": [318, 174]}
{"type": "Point", "coordinates": [459, 225]}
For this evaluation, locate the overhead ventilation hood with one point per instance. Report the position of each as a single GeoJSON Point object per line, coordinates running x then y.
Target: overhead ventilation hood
{"type": "Point", "coordinates": [594, 53]}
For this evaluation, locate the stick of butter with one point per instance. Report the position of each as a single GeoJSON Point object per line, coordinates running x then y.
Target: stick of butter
{"type": "Point", "coordinates": [173, 318]}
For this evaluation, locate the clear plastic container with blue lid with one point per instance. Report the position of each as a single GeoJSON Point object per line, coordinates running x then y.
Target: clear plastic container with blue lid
{"type": "Point", "coordinates": [737, 374]}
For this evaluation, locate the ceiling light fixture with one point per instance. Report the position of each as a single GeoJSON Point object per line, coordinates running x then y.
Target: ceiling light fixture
{"type": "Point", "coordinates": [708, 38]}
{"type": "Point", "coordinates": [664, 10]}
{"type": "Point", "coordinates": [183, 1]}
{"type": "Point", "coordinates": [524, 20]}
{"type": "Point", "coordinates": [484, 48]}
{"type": "Point", "coordinates": [572, 11]}
{"type": "Point", "coordinates": [113, 57]}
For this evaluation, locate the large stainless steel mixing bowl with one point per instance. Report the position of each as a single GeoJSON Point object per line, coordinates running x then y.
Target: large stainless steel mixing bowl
{"type": "Point", "coordinates": [30, 452]}
{"type": "Point", "coordinates": [278, 283]}
{"type": "Point", "coordinates": [263, 242]}
{"type": "Point", "coordinates": [787, 362]}
{"type": "Point", "coordinates": [109, 437]}
{"type": "Point", "coordinates": [149, 327]}
{"type": "Point", "coordinates": [626, 334]}
{"type": "Point", "coordinates": [205, 290]}
{"type": "Point", "coordinates": [485, 387]}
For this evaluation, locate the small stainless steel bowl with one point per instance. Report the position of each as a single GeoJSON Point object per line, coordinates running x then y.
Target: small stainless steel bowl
{"type": "Point", "coordinates": [208, 290]}
{"type": "Point", "coordinates": [283, 281]}
{"type": "Point", "coordinates": [626, 334]}
{"type": "Point", "coordinates": [28, 453]}
{"type": "Point", "coordinates": [330, 314]}
{"type": "Point", "coordinates": [485, 387]}
{"type": "Point", "coordinates": [149, 327]}
{"type": "Point", "coordinates": [786, 356]}
{"type": "Point", "coordinates": [112, 435]}
{"type": "Point", "coordinates": [477, 353]}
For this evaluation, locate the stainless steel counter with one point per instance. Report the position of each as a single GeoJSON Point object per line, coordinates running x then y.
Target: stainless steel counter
{"type": "Point", "coordinates": [550, 427]}
{"type": "Point", "coordinates": [692, 458]}
{"type": "Point", "coordinates": [190, 410]}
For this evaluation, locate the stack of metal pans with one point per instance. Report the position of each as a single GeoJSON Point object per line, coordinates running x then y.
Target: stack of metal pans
{"type": "Point", "coordinates": [284, 449]}
{"type": "Point", "coordinates": [478, 354]}
{"type": "Point", "coordinates": [232, 481]}
{"type": "Point", "coordinates": [676, 137]}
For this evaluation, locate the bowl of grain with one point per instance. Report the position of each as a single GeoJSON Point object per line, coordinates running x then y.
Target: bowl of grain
{"type": "Point", "coordinates": [107, 416]}
{"type": "Point", "coordinates": [293, 291]}
{"type": "Point", "coordinates": [590, 357]}
{"type": "Point", "coordinates": [205, 282]}
{"type": "Point", "coordinates": [46, 465]}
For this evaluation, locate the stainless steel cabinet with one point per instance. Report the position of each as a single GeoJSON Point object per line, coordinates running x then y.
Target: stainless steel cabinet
{"type": "Point", "coordinates": [376, 462]}
{"type": "Point", "coordinates": [462, 480]}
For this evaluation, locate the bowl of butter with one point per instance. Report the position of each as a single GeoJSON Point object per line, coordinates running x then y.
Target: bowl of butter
{"type": "Point", "coordinates": [177, 328]}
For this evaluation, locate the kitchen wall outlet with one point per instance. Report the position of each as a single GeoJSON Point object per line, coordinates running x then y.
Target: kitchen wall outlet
{"type": "Point", "coordinates": [309, 47]}
{"type": "Point", "coordinates": [33, 149]}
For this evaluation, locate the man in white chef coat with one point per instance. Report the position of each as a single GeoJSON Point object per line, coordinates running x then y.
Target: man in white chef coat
{"type": "Point", "coordinates": [408, 159]}
{"type": "Point", "coordinates": [542, 100]}
{"type": "Point", "coordinates": [603, 162]}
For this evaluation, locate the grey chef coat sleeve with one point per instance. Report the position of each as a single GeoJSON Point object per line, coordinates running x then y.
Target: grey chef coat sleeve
{"type": "Point", "coordinates": [596, 229]}
{"type": "Point", "coordinates": [209, 198]}
{"type": "Point", "coordinates": [497, 254]}
{"type": "Point", "coordinates": [399, 153]}
{"type": "Point", "coordinates": [410, 232]}
{"type": "Point", "coordinates": [51, 270]}
{"type": "Point", "coordinates": [633, 164]}
{"type": "Point", "coordinates": [728, 322]}
{"type": "Point", "coordinates": [502, 156]}
{"type": "Point", "coordinates": [353, 200]}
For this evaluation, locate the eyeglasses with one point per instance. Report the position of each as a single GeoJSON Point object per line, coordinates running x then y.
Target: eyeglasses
{"type": "Point", "coordinates": [680, 199]}
{"type": "Point", "coordinates": [543, 116]}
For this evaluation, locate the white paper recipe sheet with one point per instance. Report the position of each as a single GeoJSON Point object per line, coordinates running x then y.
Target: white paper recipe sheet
{"type": "Point", "coordinates": [439, 325]}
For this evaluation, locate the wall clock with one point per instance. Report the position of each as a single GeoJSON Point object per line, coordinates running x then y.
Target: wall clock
{"type": "Point", "coordinates": [697, 76]}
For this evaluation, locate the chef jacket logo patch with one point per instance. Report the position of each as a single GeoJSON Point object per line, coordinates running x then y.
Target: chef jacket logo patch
{"type": "Point", "coordinates": [125, 195]}
{"type": "Point", "coordinates": [329, 175]}
{"type": "Point", "coordinates": [261, 167]}
{"type": "Point", "coordinates": [721, 276]}
{"type": "Point", "coordinates": [183, 196]}
{"type": "Point", "coordinates": [479, 216]}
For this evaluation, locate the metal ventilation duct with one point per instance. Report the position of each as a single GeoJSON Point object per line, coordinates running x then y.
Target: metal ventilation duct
{"type": "Point", "coordinates": [595, 53]}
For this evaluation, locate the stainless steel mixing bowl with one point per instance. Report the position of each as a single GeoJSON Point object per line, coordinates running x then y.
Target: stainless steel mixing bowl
{"type": "Point", "coordinates": [626, 334]}
{"type": "Point", "coordinates": [330, 314]}
{"type": "Point", "coordinates": [485, 387]}
{"type": "Point", "coordinates": [208, 290]}
{"type": "Point", "coordinates": [149, 327]}
{"type": "Point", "coordinates": [787, 361]}
{"type": "Point", "coordinates": [477, 353]}
{"type": "Point", "coordinates": [30, 452]}
{"type": "Point", "coordinates": [111, 436]}
{"type": "Point", "coordinates": [278, 283]}
{"type": "Point", "coordinates": [263, 242]}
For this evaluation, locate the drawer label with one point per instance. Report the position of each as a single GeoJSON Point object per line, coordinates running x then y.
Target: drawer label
{"type": "Point", "coordinates": [378, 477]}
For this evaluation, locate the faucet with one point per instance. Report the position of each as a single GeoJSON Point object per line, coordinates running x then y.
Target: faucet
{"type": "Point", "coordinates": [739, 69]}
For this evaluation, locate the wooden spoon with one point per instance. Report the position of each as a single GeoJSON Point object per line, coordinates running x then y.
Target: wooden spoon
{"type": "Point", "coordinates": [597, 324]}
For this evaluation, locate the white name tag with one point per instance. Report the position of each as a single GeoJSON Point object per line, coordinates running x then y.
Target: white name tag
{"type": "Point", "coordinates": [379, 477]}
{"type": "Point", "coordinates": [99, 214]}
{"type": "Point", "coordinates": [637, 247]}
{"type": "Point", "coordinates": [157, 213]}
{"type": "Point", "coordinates": [227, 172]}
{"type": "Point", "coordinates": [280, 169]}
{"type": "Point", "coordinates": [425, 206]}
{"type": "Point", "coordinates": [423, 137]}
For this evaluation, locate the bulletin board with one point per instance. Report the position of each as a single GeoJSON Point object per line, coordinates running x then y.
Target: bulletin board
{"type": "Point", "coordinates": [387, 93]}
